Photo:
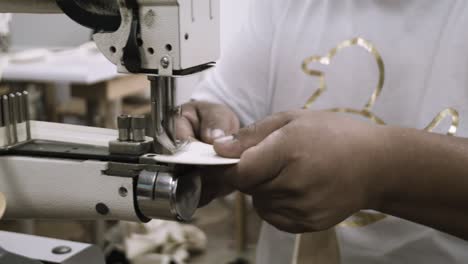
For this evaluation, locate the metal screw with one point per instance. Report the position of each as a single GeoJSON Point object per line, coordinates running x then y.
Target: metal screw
{"type": "Point", "coordinates": [61, 250]}
{"type": "Point", "coordinates": [138, 122]}
{"type": "Point", "coordinates": [123, 191]}
{"type": "Point", "coordinates": [123, 125]}
{"type": "Point", "coordinates": [102, 209]}
{"type": "Point", "coordinates": [138, 128]}
{"type": "Point", "coordinates": [165, 62]}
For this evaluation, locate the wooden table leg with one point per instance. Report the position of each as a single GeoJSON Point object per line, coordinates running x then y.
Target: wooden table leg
{"type": "Point", "coordinates": [113, 109]}
{"type": "Point", "coordinates": [103, 113]}
{"type": "Point", "coordinates": [100, 228]}
{"type": "Point", "coordinates": [28, 226]}
{"type": "Point", "coordinates": [241, 223]}
{"type": "Point", "coordinates": [50, 103]}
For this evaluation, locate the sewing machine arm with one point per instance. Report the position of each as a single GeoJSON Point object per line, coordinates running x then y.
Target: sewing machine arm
{"type": "Point", "coordinates": [52, 176]}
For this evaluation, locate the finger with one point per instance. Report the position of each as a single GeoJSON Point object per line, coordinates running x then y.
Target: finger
{"type": "Point", "coordinates": [184, 129]}
{"type": "Point", "coordinates": [212, 186]}
{"type": "Point", "coordinates": [234, 146]}
{"type": "Point", "coordinates": [187, 123]}
{"type": "Point", "coordinates": [216, 121]}
{"type": "Point", "coordinates": [259, 164]}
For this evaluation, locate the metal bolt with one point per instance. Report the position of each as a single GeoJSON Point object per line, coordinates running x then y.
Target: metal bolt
{"type": "Point", "coordinates": [165, 62]}
{"type": "Point", "coordinates": [123, 125]}
{"type": "Point", "coordinates": [138, 122]}
{"type": "Point", "coordinates": [102, 209]}
{"type": "Point", "coordinates": [123, 121]}
{"type": "Point", "coordinates": [123, 191]}
{"type": "Point", "coordinates": [61, 250]}
{"type": "Point", "coordinates": [138, 126]}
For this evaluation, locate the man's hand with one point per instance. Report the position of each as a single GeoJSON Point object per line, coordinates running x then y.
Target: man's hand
{"type": "Point", "coordinates": [206, 122]}
{"type": "Point", "coordinates": [306, 171]}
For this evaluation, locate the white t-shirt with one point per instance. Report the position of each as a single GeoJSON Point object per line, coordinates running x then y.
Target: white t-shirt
{"type": "Point", "coordinates": [424, 46]}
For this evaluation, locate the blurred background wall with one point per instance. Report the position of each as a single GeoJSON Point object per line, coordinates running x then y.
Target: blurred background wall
{"type": "Point", "coordinates": [38, 31]}
{"type": "Point", "coordinates": [45, 31]}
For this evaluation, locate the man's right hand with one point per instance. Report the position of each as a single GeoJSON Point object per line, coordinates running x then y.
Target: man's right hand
{"type": "Point", "coordinates": [206, 122]}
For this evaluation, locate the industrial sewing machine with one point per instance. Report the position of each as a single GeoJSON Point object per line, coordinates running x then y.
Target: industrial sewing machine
{"type": "Point", "coordinates": [50, 170]}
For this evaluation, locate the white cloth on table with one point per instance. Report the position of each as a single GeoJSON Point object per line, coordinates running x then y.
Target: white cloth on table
{"type": "Point", "coordinates": [157, 242]}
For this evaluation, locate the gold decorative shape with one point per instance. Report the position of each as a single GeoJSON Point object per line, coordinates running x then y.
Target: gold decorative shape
{"type": "Point", "coordinates": [369, 47]}
{"type": "Point", "coordinates": [449, 112]}
{"type": "Point", "coordinates": [361, 219]}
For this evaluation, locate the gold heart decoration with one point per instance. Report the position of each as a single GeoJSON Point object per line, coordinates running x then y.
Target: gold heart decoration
{"type": "Point", "coordinates": [367, 109]}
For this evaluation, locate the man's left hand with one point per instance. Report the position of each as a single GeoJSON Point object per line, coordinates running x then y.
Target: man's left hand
{"type": "Point", "coordinates": [306, 170]}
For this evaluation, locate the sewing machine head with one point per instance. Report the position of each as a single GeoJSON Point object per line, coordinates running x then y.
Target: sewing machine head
{"type": "Point", "coordinates": [154, 37]}
{"type": "Point", "coordinates": [159, 38]}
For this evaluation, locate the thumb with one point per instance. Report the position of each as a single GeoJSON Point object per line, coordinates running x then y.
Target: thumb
{"type": "Point", "coordinates": [233, 146]}
{"type": "Point", "coordinates": [259, 164]}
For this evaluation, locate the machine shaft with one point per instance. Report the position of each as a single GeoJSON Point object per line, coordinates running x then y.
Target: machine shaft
{"type": "Point", "coordinates": [163, 114]}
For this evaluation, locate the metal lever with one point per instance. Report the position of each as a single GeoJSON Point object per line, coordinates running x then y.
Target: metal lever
{"type": "Point", "coordinates": [163, 114]}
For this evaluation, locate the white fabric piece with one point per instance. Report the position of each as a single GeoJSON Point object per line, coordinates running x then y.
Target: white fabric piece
{"type": "Point", "coordinates": [5, 19]}
{"type": "Point", "coordinates": [83, 64]}
{"type": "Point", "coordinates": [196, 153]}
{"type": "Point", "coordinates": [425, 51]}
{"type": "Point", "coordinates": [72, 133]}
{"type": "Point", "coordinates": [152, 259]}
{"type": "Point", "coordinates": [29, 56]}
{"type": "Point", "coordinates": [158, 242]}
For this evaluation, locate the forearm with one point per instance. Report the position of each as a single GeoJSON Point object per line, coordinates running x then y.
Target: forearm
{"type": "Point", "coordinates": [424, 178]}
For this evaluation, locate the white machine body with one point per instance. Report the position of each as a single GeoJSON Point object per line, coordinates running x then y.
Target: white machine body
{"type": "Point", "coordinates": [41, 188]}
{"type": "Point", "coordinates": [62, 189]}
{"type": "Point", "coordinates": [186, 32]}
{"type": "Point", "coordinates": [160, 38]}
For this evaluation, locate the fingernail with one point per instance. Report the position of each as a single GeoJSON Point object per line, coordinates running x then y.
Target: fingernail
{"type": "Point", "coordinates": [226, 139]}
{"type": "Point", "coordinates": [217, 133]}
